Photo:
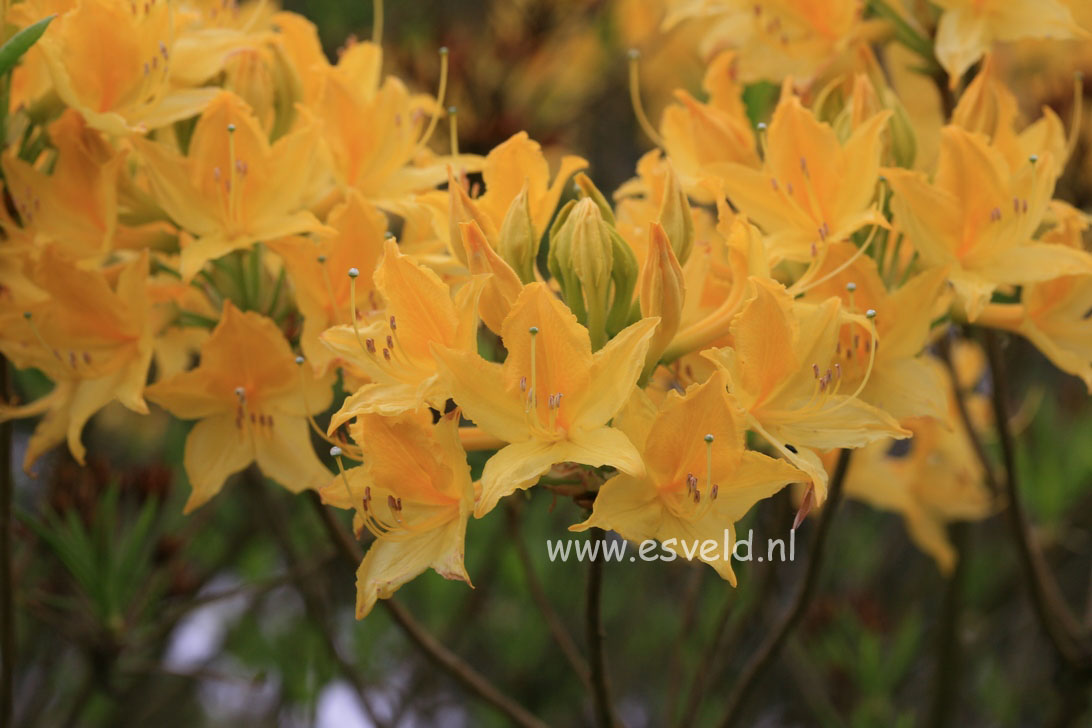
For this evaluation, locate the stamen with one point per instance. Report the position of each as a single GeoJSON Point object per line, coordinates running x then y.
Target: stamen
{"type": "Point", "coordinates": [335, 453]}
{"type": "Point", "coordinates": [1078, 112]}
{"type": "Point", "coordinates": [708, 460]}
{"type": "Point", "coordinates": [353, 275]}
{"type": "Point", "coordinates": [441, 92]}
{"type": "Point", "coordinates": [453, 129]}
{"type": "Point", "coordinates": [232, 186]}
{"type": "Point", "coordinates": [532, 394]}
{"type": "Point", "coordinates": [377, 22]}
{"type": "Point", "coordinates": [635, 98]}
{"type": "Point", "coordinates": [355, 454]}
{"type": "Point", "coordinates": [851, 288]}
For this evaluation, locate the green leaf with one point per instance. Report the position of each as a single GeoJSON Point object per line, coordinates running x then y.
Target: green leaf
{"type": "Point", "coordinates": [21, 42]}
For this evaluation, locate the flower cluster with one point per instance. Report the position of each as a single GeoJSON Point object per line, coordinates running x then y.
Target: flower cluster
{"type": "Point", "coordinates": [760, 295]}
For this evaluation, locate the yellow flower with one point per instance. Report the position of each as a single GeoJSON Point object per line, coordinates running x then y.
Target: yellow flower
{"type": "Point", "coordinates": [414, 494]}
{"type": "Point", "coordinates": [786, 367]}
{"type": "Point", "coordinates": [699, 480]}
{"type": "Point", "coordinates": [903, 381]}
{"type": "Point", "coordinates": [233, 188]}
{"type": "Point", "coordinates": [1056, 316]}
{"type": "Point", "coordinates": [977, 219]}
{"type": "Point", "coordinates": [552, 398]}
{"type": "Point", "coordinates": [811, 188]}
{"type": "Point", "coordinates": [252, 401]}
{"type": "Point", "coordinates": [318, 269]}
{"type": "Point", "coordinates": [502, 286]}
{"type": "Point", "coordinates": [774, 40]}
{"type": "Point", "coordinates": [89, 332]}
{"type": "Point", "coordinates": [373, 131]}
{"type": "Point", "coordinates": [128, 89]}
{"type": "Point", "coordinates": [967, 28]}
{"type": "Point", "coordinates": [75, 206]}
{"type": "Point", "coordinates": [700, 138]}
{"type": "Point", "coordinates": [394, 349]}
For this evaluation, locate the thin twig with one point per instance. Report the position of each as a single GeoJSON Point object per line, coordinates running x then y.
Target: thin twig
{"type": "Point", "coordinates": [553, 621]}
{"type": "Point", "coordinates": [946, 675]}
{"type": "Point", "coordinates": [965, 417]}
{"type": "Point", "coordinates": [313, 599]}
{"type": "Point", "coordinates": [1063, 629]}
{"type": "Point", "coordinates": [601, 694]}
{"type": "Point", "coordinates": [436, 652]}
{"type": "Point", "coordinates": [7, 599]}
{"type": "Point", "coordinates": [690, 601]}
{"type": "Point", "coordinates": [769, 649]}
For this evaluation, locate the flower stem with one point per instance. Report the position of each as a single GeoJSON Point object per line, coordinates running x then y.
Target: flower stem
{"type": "Point", "coordinates": [7, 586]}
{"type": "Point", "coordinates": [1063, 629]}
{"type": "Point", "coordinates": [436, 652]}
{"type": "Point", "coordinates": [769, 649]}
{"type": "Point", "coordinates": [601, 694]}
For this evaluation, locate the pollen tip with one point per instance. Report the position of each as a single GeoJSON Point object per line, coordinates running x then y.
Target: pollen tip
{"type": "Point", "coordinates": [27, 315]}
{"type": "Point", "coordinates": [322, 259]}
{"type": "Point", "coordinates": [335, 452]}
{"type": "Point", "coordinates": [353, 272]}
{"type": "Point", "coordinates": [634, 54]}
{"type": "Point", "coordinates": [240, 392]}
{"type": "Point", "coordinates": [231, 128]}
{"type": "Point", "coordinates": [388, 235]}
{"type": "Point", "coordinates": [851, 286]}
{"type": "Point", "coordinates": [452, 110]}
{"type": "Point", "coordinates": [870, 313]}
{"type": "Point", "coordinates": [533, 330]}
{"type": "Point", "coordinates": [443, 50]}
{"type": "Point", "coordinates": [709, 438]}
{"type": "Point", "coordinates": [1033, 158]}
{"type": "Point", "coordinates": [299, 360]}
{"type": "Point", "coordinates": [761, 126]}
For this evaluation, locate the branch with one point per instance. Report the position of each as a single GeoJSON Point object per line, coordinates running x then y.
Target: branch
{"type": "Point", "coordinates": [436, 652]}
{"type": "Point", "coordinates": [601, 697]}
{"type": "Point", "coordinates": [769, 649]}
{"type": "Point", "coordinates": [7, 585]}
{"type": "Point", "coordinates": [1063, 629]}
{"type": "Point", "coordinates": [312, 598]}
{"type": "Point", "coordinates": [948, 671]}
{"type": "Point", "coordinates": [549, 614]}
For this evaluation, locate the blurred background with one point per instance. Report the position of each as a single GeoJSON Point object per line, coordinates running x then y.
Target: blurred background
{"type": "Point", "coordinates": [130, 614]}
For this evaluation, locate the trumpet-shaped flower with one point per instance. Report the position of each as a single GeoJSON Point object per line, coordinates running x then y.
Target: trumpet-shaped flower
{"type": "Point", "coordinates": [699, 479]}
{"type": "Point", "coordinates": [903, 381]}
{"type": "Point", "coordinates": [252, 401]}
{"type": "Point", "coordinates": [317, 270]}
{"type": "Point", "coordinates": [90, 332]}
{"type": "Point", "coordinates": [552, 398]}
{"type": "Point", "coordinates": [129, 88]}
{"type": "Point", "coordinates": [394, 348]}
{"type": "Point", "coordinates": [414, 494]}
{"type": "Point", "coordinates": [811, 188]}
{"type": "Point", "coordinates": [786, 367]}
{"type": "Point", "coordinates": [977, 219]}
{"type": "Point", "coordinates": [234, 189]}
{"type": "Point", "coordinates": [967, 28]}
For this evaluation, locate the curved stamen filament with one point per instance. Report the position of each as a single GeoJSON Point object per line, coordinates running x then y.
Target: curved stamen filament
{"type": "Point", "coordinates": [232, 180]}
{"type": "Point", "coordinates": [441, 93]}
{"type": "Point", "coordinates": [353, 453]}
{"type": "Point", "coordinates": [1078, 112]}
{"type": "Point", "coordinates": [453, 129]}
{"type": "Point", "coordinates": [635, 98]}
{"type": "Point", "coordinates": [377, 22]}
{"type": "Point", "coordinates": [353, 275]}
{"type": "Point", "coordinates": [797, 289]}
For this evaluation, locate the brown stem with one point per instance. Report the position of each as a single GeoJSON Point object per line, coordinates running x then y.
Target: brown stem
{"type": "Point", "coordinates": [553, 621]}
{"type": "Point", "coordinates": [1061, 626]}
{"type": "Point", "coordinates": [946, 681]}
{"type": "Point", "coordinates": [601, 695]}
{"type": "Point", "coordinates": [7, 585]}
{"type": "Point", "coordinates": [313, 599]}
{"type": "Point", "coordinates": [965, 418]}
{"type": "Point", "coordinates": [769, 649]}
{"type": "Point", "coordinates": [436, 652]}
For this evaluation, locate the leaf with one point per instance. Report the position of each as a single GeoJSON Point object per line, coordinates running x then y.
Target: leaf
{"type": "Point", "coordinates": [21, 42]}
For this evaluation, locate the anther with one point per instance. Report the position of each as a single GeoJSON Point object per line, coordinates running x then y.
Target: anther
{"type": "Point", "coordinates": [335, 451]}
{"type": "Point", "coordinates": [369, 344]}
{"type": "Point", "coordinates": [353, 272]}
{"type": "Point", "coordinates": [870, 313]}
{"type": "Point", "coordinates": [299, 360]}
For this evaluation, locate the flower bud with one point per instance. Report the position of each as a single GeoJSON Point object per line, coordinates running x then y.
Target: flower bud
{"type": "Point", "coordinates": [463, 209]}
{"type": "Point", "coordinates": [518, 243]}
{"type": "Point", "coordinates": [676, 217]}
{"type": "Point", "coordinates": [662, 292]}
{"type": "Point", "coordinates": [502, 286]}
{"type": "Point", "coordinates": [248, 74]}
